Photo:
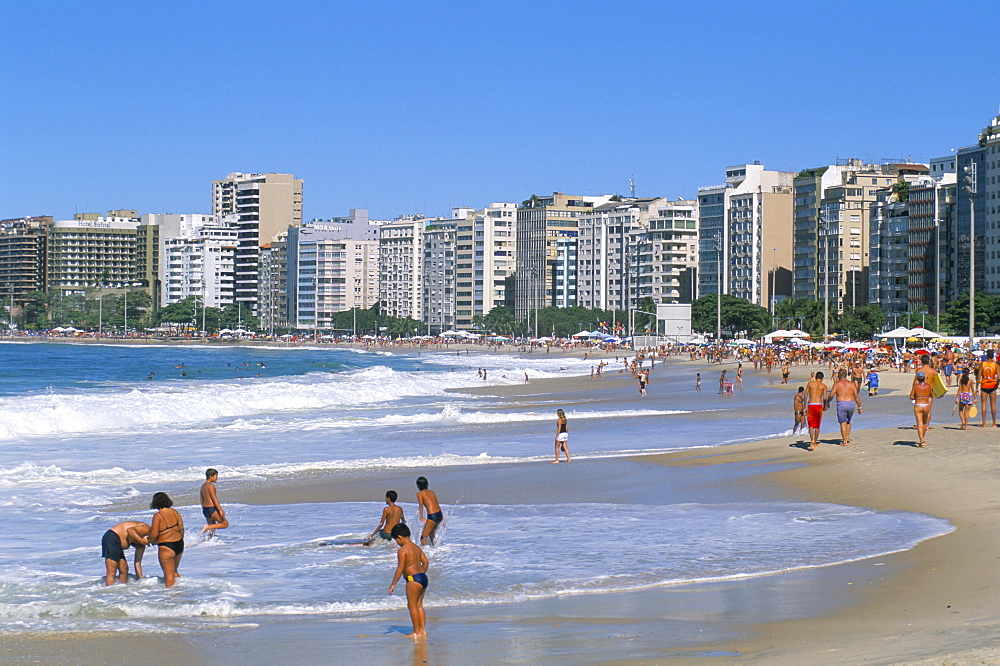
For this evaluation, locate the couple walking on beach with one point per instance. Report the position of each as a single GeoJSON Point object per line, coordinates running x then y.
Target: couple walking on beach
{"type": "Point", "coordinates": [817, 400]}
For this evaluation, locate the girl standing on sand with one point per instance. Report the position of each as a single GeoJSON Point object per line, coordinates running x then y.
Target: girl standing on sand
{"type": "Point", "coordinates": [562, 435]}
{"type": "Point", "coordinates": [966, 398]}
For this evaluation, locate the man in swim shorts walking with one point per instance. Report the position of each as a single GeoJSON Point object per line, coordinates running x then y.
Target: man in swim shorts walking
{"type": "Point", "coordinates": [411, 564]}
{"type": "Point", "coordinates": [815, 399]}
{"type": "Point", "coordinates": [215, 517]}
{"type": "Point", "coordinates": [427, 500]}
{"type": "Point", "coordinates": [845, 392]}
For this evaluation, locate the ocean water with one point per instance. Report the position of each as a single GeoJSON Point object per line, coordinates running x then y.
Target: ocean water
{"type": "Point", "coordinates": [84, 427]}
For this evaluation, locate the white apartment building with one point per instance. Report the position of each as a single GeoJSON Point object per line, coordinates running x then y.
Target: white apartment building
{"type": "Point", "coordinates": [746, 234]}
{"type": "Point", "coordinates": [200, 266]}
{"type": "Point", "coordinates": [328, 274]}
{"type": "Point", "coordinates": [195, 257]}
{"type": "Point", "coordinates": [401, 267]}
{"type": "Point", "coordinates": [92, 251]}
{"type": "Point", "coordinates": [439, 274]}
{"type": "Point", "coordinates": [664, 256]}
{"type": "Point", "coordinates": [485, 257]}
{"type": "Point", "coordinates": [605, 275]}
{"type": "Point", "coordinates": [264, 206]}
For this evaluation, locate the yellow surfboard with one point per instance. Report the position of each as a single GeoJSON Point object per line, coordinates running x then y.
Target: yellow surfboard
{"type": "Point", "coordinates": [937, 385]}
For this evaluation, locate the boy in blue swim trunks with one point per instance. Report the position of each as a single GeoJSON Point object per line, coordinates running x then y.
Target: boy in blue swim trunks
{"type": "Point", "coordinates": [411, 564]}
{"type": "Point", "coordinates": [215, 517]}
{"type": "Point", "coordinates": [392, 515]}
{"type": "Point", "coordinates": [427, 500]}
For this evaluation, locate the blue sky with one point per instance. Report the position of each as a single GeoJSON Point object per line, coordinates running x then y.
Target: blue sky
{"type": "Point", "coordinates": [404, 107]}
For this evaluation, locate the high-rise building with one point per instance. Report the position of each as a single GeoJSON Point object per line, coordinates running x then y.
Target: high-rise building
{"type": "Point", "coordinates": [439, 272]}
{"type": "Point", "coordinates": [746, 234]}
{"type": "Point", "coordinates": [546, 248]}
{"type": "Point", "coordinates": [24, 255]}
{"type": "Point", "coordinates": [664, 257]}
{"type": "Point", "coordinates": [92, 251]}
{"type": "Point", "coordinates": [833, 207]}
{"type": "Point", "coordinates": [485, 257]}
{"type": "Point", "coordinates": [194, 257]}
{"type": "Point", "coordinates": [264, 205]}
{"type": "Point", "coordinates": [329, 271]}
{"type": "Point", "coordinates": [622, 259]}
{"type": "Point", "coordinates": [401, 267]}
{"type": "Point", "coordinates": [273, 298]}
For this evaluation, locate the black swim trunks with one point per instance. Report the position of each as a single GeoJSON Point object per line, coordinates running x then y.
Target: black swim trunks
{"type": "Point", "coordinates": [208, 511]}
{"type": "Point", "coordinates": [111, 547]}
{"type": "Point", "coordinates": [437, 516]}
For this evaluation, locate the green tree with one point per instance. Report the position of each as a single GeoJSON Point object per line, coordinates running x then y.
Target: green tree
{"type": "Point", "coordinates": [955, 318]}
{"type": "Point", "coordinates": [861, 323]}
{"type": "Point", "coordinates": [739, 316]}
{"type": "Point", "coordinates": [499, 320]}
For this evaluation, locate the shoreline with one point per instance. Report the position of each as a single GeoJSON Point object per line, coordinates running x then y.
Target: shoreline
{"type": "Point", "coordinates": [930, 604]}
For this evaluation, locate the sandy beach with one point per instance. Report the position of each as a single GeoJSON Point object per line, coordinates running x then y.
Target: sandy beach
{"type": "Point", "coordinates": [933, 604]}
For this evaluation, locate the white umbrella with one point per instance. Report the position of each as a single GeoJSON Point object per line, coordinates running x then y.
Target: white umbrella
{"type": "Point", "coordinates": [835, 343]}
{"type": "Point", "coordinates": [582, 334]}
{"type": "Point", "coordinates": [798, 333]}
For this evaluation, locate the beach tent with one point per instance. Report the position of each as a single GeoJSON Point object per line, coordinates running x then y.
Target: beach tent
{"type": "Point", "coordinates": [451, 334]}
{"type": "Point", "coordinates": [899, 332]}
{"type": "Point", "coordinates": [584, 334]}
{"type": "Point", "coordinates": [798, 333]}
{"type": "Point", "coordinates": [921, 332]}
{"type": "Point", "coordinates": [780, 333]}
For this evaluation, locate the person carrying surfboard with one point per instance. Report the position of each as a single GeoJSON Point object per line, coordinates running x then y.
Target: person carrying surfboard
{"type": "Point", "coordinates": [989, 376]}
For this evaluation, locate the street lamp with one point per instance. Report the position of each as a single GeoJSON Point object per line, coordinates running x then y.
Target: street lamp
{"type": "Point", "coordinates": [774, 272]}
{"type": "Point", "coordinates": [824, 222]}
{"type": "Point", "coordinates": [718, 290]}
{"type": "Point", "coordinates": [10, 321]}
{"type": "Point", "coordinates": [971, 187]}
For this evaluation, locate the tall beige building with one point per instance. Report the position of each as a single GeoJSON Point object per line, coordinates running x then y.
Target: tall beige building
{"type": "Point", "coordinates": [745, 227]}
{"type": "Point", "coordinates": [259, 206]}
{"type": "Point", "coordinates": [832, 230]}
{"type": "Point", "coordinates": [546, 247]}
{"type": "Point", "coordinates": [485, 256]}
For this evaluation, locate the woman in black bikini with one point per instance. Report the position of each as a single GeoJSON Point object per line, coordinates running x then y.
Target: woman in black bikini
{"type": "Point", "coordinates": [168, 533]}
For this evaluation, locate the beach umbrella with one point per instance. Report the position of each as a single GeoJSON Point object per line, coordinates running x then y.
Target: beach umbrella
{"type": "Point", "coordinates": [834, 344]}
{"type": "Point", "coordinates": [798, 333]}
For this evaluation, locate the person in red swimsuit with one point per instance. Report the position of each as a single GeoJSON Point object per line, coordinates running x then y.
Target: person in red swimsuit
{"type": "Point", "coordinates": [815, 399]}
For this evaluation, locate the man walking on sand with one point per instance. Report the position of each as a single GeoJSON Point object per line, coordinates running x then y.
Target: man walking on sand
{"type": "Point", "coordinates": [845, 392]}
{"type": "Point", "coordinates": [815, 398]}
